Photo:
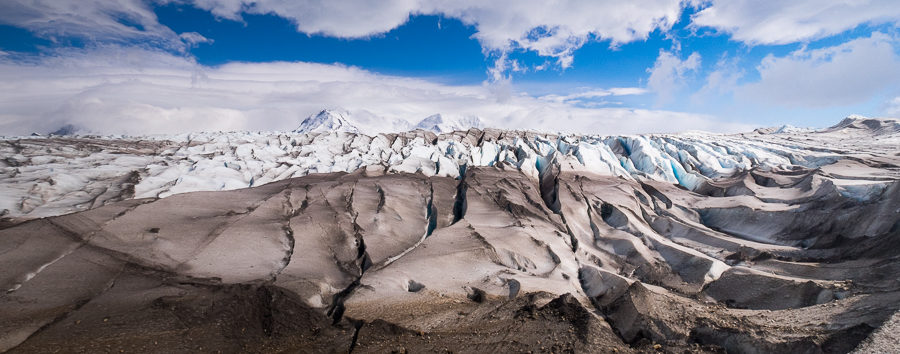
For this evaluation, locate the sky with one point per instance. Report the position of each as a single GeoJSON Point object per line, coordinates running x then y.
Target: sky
{"type": "Point", "coordinates": [595, 66]}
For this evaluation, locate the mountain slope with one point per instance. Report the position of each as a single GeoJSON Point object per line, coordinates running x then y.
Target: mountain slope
{"type": "Point", "coordinates": [338, 120]}
{"type": "Point", "coordinates": [327, 121]}
{"type": "Point", "coordinates": [440, 124]}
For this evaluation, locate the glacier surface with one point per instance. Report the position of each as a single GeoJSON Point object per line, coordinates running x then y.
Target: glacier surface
{"type": "Point", "coordinates": [52, 176]}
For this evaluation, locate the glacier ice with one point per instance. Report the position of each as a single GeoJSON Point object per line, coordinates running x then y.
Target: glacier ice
{"type": "Point", "coordinates": [48, 177]}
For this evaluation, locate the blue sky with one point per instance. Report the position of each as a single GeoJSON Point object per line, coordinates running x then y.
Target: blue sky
{"type": "Point", "coordinates": [649, 65]}
{"type": "Point", "coordinates": [425, 46]}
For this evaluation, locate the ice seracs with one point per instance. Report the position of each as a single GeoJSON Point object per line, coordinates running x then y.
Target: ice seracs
{"type": "Point", "coordinates": [773, 242]}
{"type": "Point", "coordinates": [33, 167]}
{"type": "Point", "coordinates": [741, 243]}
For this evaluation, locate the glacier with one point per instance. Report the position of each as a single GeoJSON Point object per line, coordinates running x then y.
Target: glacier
{"type": "Point", "coordinates": [776, 240]}
{"type": "Point", "coordinates": [44, 177]}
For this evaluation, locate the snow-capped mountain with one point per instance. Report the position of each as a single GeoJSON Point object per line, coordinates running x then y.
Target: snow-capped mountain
{"type": "Point", "coordinates": [67, 129]}
{"type": "Point", "coordinates": [440, 123]}
{"type": "Point", "coordinates": [863, 124]}
{"type": "Point", "coordinates": [339, 120]}
{"type": "Point", "coordinates": [328, 121]}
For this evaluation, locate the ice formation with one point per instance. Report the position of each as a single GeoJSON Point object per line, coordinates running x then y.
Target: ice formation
{"type": "Point", "coordinates": [49, 177]}
{"type": "Point", "coordinates": [780, 240]}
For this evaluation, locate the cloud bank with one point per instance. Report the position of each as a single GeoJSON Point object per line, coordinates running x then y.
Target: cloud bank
{"type": "Point", "coordinates": [137, 91]}
{"type": "Point", "coordinates": [782, 22]}
{"type": "Point", "coordinates": [848, 73]}
{"type": "Point", "coordinates": [135, 76]}
{"type": "Point", "coordinates": [105, 21]}
{"type": "Point", "coordinates": [668, 73]}
{"type": "Point", "coordinates": [550, 28]}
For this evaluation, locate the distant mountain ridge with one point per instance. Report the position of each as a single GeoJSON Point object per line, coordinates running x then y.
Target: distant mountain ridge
{"type": "Point", "coordinates": [439, 123]}
{"type": "Point", "coordinates": [337, 120]}
{"type": "Point", "coordinates": [878, 126]}
{"type": "Point", "coordinates": [340, 120]}
{"type": "Point", "coordinates": [851, 124]}
{"type": "Point", "coordinates": [327, 121]}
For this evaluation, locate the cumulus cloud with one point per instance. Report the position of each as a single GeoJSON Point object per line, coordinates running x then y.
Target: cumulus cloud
{"type": "Point", "coordinates": [193, 38]}
{"type": "Point", "coordinates": [892, 107]}
{"type": "Point", "coordinates": [117, 21]}
{"type": "Point", "coordinates": [138, 91]}
{"type": "Point", "coordinates": [722, 80]}
{"type": "Point", "coordinates": [96, 21]}
{"type": "Point", "coordinates": [552, 29]}
{"type": "Point", "coordinates": [781, 22]}
{"type": "Point", "coordinates": [848, 73]}
{"type": "Point", "coordinates": [668, 73]}
{"type": "Point", "coordinates": [557, 29]}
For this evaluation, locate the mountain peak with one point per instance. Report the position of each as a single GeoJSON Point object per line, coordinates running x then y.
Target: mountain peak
{"type": "Point", "coordinates": [439, 123]}
{"type": "Point", "coordinates": [67, 129]}
{"type": "Point", "coordinates": [326, 121]}
{"type": "Point", "coordinates": [873, 125]}
{"type": "Point", "coordinates": [340, 120]}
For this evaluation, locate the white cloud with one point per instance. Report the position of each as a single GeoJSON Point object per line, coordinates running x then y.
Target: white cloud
{"type": "Point", "coordinates": [781, 22]}
{"type": "Point", "coordinates": [722, 80]}
{"type": "Point", "coordinates": [848, 73]}
{"type": "Point", "coordinates": [668, 73]}
{"type": "Point", "coordinates": [551, 28]}
{"type": "Point", "coordinates": [193, 38]}
{"type": "Point", "coordinates": [558, 28]}
{"type": "Point", "coordinates": [136, 91]}
{"type": "Point", "coordinates": [892, 108]}
{"type": "Point", "coordinates": [592, 94]}
{"type": "Point", "coordinates": [98, 20]}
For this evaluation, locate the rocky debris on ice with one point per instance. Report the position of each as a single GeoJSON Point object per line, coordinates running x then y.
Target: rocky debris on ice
{"type": "Point", "coordinates": [470, 241]}
{"type": "Point", "coordinates": [531, 241]}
